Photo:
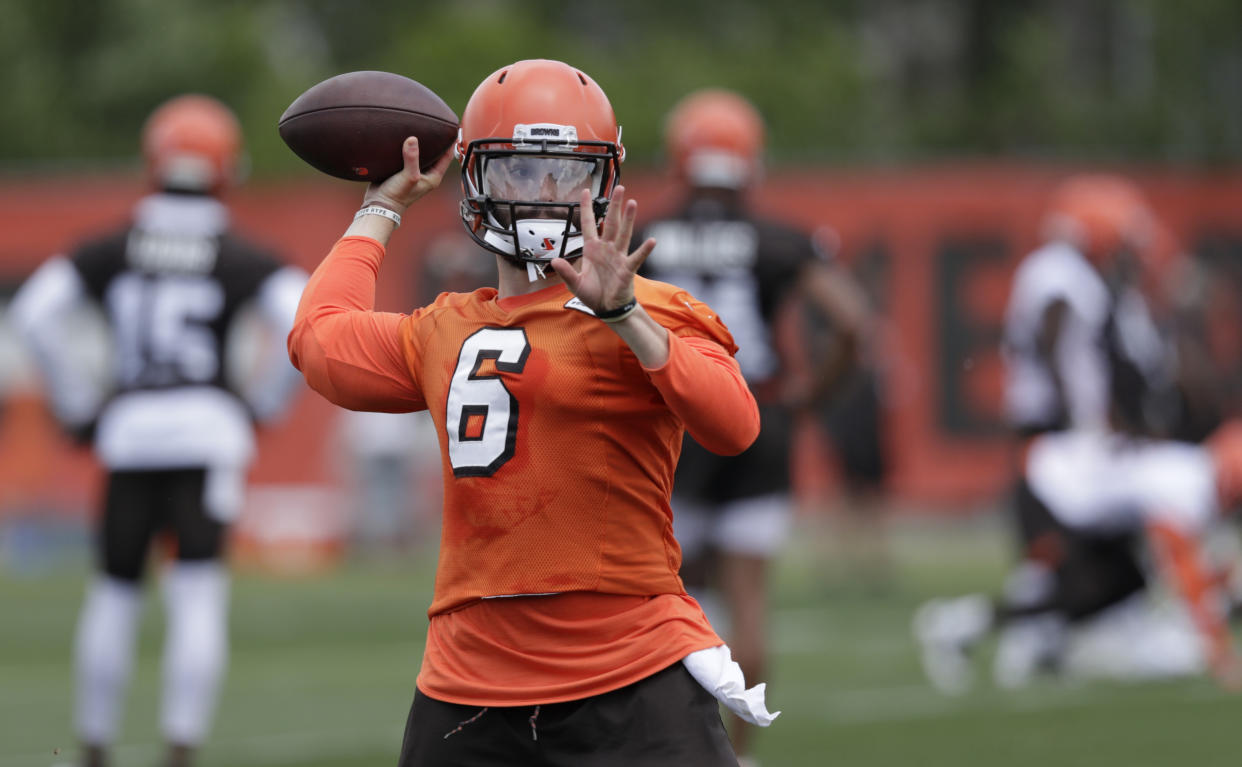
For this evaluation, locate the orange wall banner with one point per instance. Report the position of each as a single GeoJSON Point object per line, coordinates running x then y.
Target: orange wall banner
{"type": "Point", "coordinates": [935, 246]}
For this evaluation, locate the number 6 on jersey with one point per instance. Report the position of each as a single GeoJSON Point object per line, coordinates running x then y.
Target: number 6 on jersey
{"type": "Point", "coordinates": [482, 416]}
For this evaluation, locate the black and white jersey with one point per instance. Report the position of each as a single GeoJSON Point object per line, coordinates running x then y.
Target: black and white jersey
{"type": "Point", "coordinates": [741, 266]}
{"type": "Point", "coordinates": [1143, 396]}
{"type": "Point", "coordinates": [1110, 367]}
{"type": "Point", "coordinates": [1071, 389]}
{"type": "Point", "coordinates": [181, 301]}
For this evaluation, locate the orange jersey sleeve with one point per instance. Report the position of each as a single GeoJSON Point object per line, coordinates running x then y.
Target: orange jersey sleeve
{"type": "Point", "coordinates": [726, 422]}
{"type": "Point", "coordinates": [700, 361]}
{"type": "Point", "coordinates": [349, 353]}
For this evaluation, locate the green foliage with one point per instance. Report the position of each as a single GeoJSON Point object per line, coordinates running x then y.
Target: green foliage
{"type": "Point", "coordinates": [840, 81]}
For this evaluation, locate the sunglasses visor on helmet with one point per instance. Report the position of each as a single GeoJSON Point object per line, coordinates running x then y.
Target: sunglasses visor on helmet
{"type": "Point", "coordinates": [540, 178]}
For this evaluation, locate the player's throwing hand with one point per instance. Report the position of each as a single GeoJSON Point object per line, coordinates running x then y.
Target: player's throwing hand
{"type": "Point", "coordinates": [402, 189]}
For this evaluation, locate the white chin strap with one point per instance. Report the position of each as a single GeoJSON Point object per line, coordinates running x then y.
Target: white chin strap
{"type": "Point", "coordinates": [538, 238]}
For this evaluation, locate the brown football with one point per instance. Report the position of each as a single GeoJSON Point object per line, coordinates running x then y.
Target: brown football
{"type": "Point", "coordinates": [352, 126]}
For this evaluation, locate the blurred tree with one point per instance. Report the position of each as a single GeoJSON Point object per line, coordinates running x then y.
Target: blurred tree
{"type": "Point", "coordinates": [839, 80]}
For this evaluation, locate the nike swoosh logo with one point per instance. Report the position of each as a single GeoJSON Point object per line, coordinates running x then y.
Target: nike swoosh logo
{"type": "Point", "coordinates": [576, 303]}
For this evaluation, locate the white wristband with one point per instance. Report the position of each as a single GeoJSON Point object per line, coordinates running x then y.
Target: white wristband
{"type": "Point", "coordinates": [378, 210]}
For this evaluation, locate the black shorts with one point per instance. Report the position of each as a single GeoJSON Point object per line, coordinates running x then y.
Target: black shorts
{"type": "Point", "coordinates": [1098, 571]}
{"type": "Point", "coordinates": [1091, 571]}
{"type": "Point", "coordinates": [665, 720]}
{"type": "Point", "coordinates": [140, 504]}
{"type": "Point", "coordinates": [1040, 536]}
{"type": "Point", "coordinates": [761, 469]}
{"type": "Point", "coordinates": [854, 422]}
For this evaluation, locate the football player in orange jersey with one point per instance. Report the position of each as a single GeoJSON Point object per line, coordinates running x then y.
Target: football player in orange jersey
{"type": "Point", "coordinates": [560, 632]}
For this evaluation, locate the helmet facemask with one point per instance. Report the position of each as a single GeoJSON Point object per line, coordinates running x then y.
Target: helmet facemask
{"type": "Point", "coordinates": [523, 193]}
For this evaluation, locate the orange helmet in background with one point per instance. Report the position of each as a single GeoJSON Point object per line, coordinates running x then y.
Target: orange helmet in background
{"type": "Point", "coordinates": [192, 143]}
{"type": "Point", "coordinates": [715, 138]}
{"type": "Point", "coordinates": [1100, 214]}
{"type": "Point", "coordinates": [533, 136]}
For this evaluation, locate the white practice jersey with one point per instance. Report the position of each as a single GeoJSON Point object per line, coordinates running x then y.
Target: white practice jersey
{"type": "Point", "coordinates": [1057, 272]}
{"type": "Point", "coordinates": [1111, 483]}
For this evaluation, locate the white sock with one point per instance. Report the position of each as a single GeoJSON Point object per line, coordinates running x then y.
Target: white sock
{"type": "Point", "coordinates": [104, 653]}
{"type": "Point", "coordinates": [195, 648]}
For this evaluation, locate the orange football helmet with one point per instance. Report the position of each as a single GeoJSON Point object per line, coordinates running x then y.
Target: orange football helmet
{"type": "Point", "coordinates": [715, 138]}
{"type": "Point", "coordinates": [1101, 214]}
{"type": "Point", "coordinates": [192, 143]}
{"type": "Point", "coordinates": [533, 136]}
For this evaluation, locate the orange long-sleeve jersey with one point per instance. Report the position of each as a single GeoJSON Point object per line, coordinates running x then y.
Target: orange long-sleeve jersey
{"type": "Point", "coordinates": [558, 450]}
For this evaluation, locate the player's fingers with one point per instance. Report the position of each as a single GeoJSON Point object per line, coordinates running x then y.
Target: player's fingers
{"type": "Point", "coordinates": [567, 273]}
{"type": "Point", "coordinates": [441, 167]}
{"type": "Point", "coordinates": [587, 214]}
{"type": "Point", "coordinates": [636, 259]}
{"type": "Point", "coordinates": [612, 223]}
{"type": "Point", "coordinates": [410, 156]}
{"type": "Point", "coordinates": [625, 229]}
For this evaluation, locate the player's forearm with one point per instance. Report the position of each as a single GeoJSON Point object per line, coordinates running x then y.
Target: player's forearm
{"type": "Point", "coordinates": [343, 282]}
{"type": "Point", "coordinates": [38, 313]}
{"type": "Point", "coordinates": [833, 368]}
{"type": "Point", "coordinates": [268, 382]}
{"type": "Point", "coordinates": [703, 385]}
{"type": "Point", "coordinates": [648, 339]}
{"type": "Point", "coordinates": [346, 351]}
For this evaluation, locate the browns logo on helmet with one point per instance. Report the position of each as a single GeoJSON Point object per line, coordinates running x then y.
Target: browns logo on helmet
{"type": "Point", "coordinates": [533, 136]}
{"type": "Point", "coordinates": [192, 143]}
{"type": "Point", "coordinates": [715, 138]}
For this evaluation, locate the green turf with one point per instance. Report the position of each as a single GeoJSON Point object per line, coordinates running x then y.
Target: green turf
{"type": "Point", "coordinates": [322, 672]}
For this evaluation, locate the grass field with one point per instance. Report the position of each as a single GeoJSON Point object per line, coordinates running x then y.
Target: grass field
{"type": "Point", "coordinates": [322, 672]}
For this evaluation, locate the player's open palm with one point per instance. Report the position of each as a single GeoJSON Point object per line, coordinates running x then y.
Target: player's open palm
{"type": "Point", "coordinates": [603, 278]}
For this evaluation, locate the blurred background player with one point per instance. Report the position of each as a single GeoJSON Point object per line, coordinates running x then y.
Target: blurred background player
{"type": "Point", "coordinates": [732, 514]}
{"type": "Point", "coordinates": [386, 460]}
{"type": "Point", "coordinates": [1092, 395]}
{"type": "Point", "coordinates": [852, 420]}
{"type": "Point", "coordinates": [195, 321]}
